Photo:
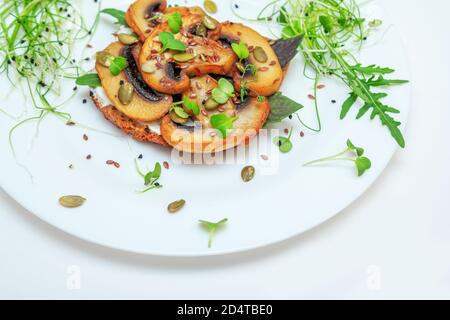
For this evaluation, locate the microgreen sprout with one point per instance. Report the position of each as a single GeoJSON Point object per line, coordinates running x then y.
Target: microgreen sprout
{"type": "Point", "coordinates": [174, 21]}
{"type": "Point", "coordinates": [362, 163]}
{"type": "Point", "coordinates": [89, 79]}
{"type": "Point", "coordinates": [191, 105]}
{"type": "Point", "coordinates": [118, 14]}
{"type": "Point", "coordinates": [151, 178]}
{"type": "Point", "coordinates": [283, 143]}
{"type": "Point", "coordinates": [223, 123]}
{"type": "Point", "coordinates": [241, 50]}
{"type": "Point", "coordinates": [118, 64]}
{"type": "Point", "coordinates": [170, 43]}
{"type": "Point", "coordinates": [212, 227]}
{"type": "Point", "coordinates": [223, 92]}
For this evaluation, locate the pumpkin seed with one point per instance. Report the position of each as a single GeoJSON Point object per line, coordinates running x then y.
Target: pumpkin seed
{"type": "Point", "coordinates": [176, 118]}
{"type": "Point", "coordinates": [71, 201]}
{"type": "Point", "coordinates": [104, 58]}
{"type": "Point", "coordinates": [201, 30]}
{"type": "Point", "coordinates": [127, 38]}
{"type": "Point", "coordinates": [248, 173]}
{"type": "Point", "coordinates": [176, 206]}
{"type": "Point", "coordinates": [240, 67]}
{"type": "Point", "coordinates": [148, 67]}
{"type": "Point", "coordinates": [260, 55]}
{"type": "Point", "coordinates": [210, 6]}
{"type": "Point", "coordinates": [126, 92]}
{"type": "Point", "coordinates": [211, 104]}
{"type": "Point", "coordinates": [209, 23]}
{"type": "Point", "coordinates": [183, 57]}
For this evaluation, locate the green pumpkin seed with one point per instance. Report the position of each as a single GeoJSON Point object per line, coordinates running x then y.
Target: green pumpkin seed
{"type": "Point", "coordinates": [176, 118]}
{"type": "Point", "coordinates": [183, 57]}
{"type": "Point", "coordinates": [248, 173]}
{"type": "Point", "coordinates": [71, 201]}
{"type": "Point", "coordinates": [260, 55]}
{"type": "Point", "coordinates": [176, 206]}
{"type": "Point", "coordinates": [127, 38]}
{"type": "Point", "coordinates": [211, 104]}
{"type": "Point", "coordinates": [210, 6]}
{"type": "Point", "coordinates": [148, 67]}
{"type": "Point", "coordinates": [209, 23]}
{"type": "Point", "coordinates": [104, 58]}
{"type": "Point", "coordinates": [126, 92]}
{"type": "Point", "coordinates": [201, 30]}
{"type": "Point", "coordinates": [240, 67]}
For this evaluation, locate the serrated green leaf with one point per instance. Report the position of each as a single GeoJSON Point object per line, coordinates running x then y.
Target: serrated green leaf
{"type": "Point", "coordinates": [91, 79]}
{"type": "Point", "coordinates": [347, 105]}
{"type": "Point", "coordinates": [281, 107]}
{"type": "Point", "coordinates": [118, 14]}
{"type": "Point", "coordinates": [371, 70]}
{"type": "Point", "coordinates": [380, 82]}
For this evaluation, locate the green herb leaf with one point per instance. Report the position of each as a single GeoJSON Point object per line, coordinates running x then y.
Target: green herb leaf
{"type": "Point", "coordinates": [180, 112]}
{"type": "Point", "coordinates": [191, 106]}
{"type": "Point", "coordinates": [152, 175]}
{"type": "Point", "coordinates": [212, 227]}
{"type": "Point", "coordinates": [223, 92]}
{"type": "Point", "coordinates": [222, 123]}
{"type": "Point", "coordinates": [351, 146]}
{"type": "Point", "coordinates": [169, 42]}
{"type": "Point", "coordinates": [118, 14]}
{"type": "Point", "coordinates": [372, 69]}
{"type": "Point", "coordinates": [284, 144]}
{"type": "Point", "coordinates": [362, 165]}
{"type": "Point", "coordinates": [281, 107]}
{"type": "Point", "coordinates": [90, 79]}
{"type": "Point", "coordinates": [347, 105]}
{"type": "Point", "coordinates": [226, 86]}
{"type": "Point", "coordinates": [241, 50]}
{"type": "Point", "coordinates": [175, 22]}
{"type": "Point", "coordinates": [118, 64]}
{"type": "Point", "coordinates": [380, 81]}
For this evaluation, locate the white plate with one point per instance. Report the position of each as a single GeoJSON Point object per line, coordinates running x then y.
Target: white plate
{"type": "Point", "coordinates": [270, 209]}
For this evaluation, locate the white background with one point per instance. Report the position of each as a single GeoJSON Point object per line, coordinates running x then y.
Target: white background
{"type": "Point", "coordinates": [394, 242]}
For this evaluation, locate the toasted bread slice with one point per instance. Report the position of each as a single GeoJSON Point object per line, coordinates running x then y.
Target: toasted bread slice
{"type": "Point", "coordinates": [136, 129]}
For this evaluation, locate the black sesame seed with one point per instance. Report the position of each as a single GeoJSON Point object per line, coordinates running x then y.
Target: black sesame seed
{"type": "Point", "coordinates": [75, 88]}
{"type": "Point", "coordinates": [333, 101]}
{"type": "Point", "coordinates": [290, 116]}
{"type": "Point", "coordinates": [140, 156]}
{"type": "Point", "coordinates": [84, 101]}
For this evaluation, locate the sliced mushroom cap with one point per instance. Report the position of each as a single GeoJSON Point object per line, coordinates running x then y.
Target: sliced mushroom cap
{"type": "Point", "coordinates": [251, 117]}
{"type": "Point", "coordinates": [142, 16]}
{"type": "Point", "coordinates": [269, 73]}
{"type": "Point", "coordinates": [169, 72]}
{"type": "Point", "coordinates": [146, 105]}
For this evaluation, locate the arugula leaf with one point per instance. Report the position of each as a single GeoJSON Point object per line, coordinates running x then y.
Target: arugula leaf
{"type": "Point", "coordinates": [191, 106]}
{"type": "Point", "coordinates": [380, 81]}
{"type": "Point", "coordinates": [241, 50]}
{"type": "Point", "coordinates": [212, 227]}
{"type": "Point", "coordinates": [223, 92]}
{"type": "Point", "coordinates": [118, 14]}
{"type": "Point", "coordinates": [117, 65]}
{"type": "Point", "coordinates": [222, 123]}
{"type": "Point", "coordinates": [174, 21]}
{"type": "Point", "coordinates": [362, 163]}
{"type": "Point", "coordinates": [90, 79]}
{"type": "Point", "coordinates": [169, 42]}
{"type": "Point", "coordinates": [372, 69]}
{"type": "Point", "coordinates": [281, 107]}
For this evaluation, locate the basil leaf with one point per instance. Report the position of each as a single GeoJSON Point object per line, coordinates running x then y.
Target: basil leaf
{"type": "Point", "coordinates": [90, 79]}
{"type": "Point", "coordinates": [222, 123]}
{"type": "Point", "coordinates": [117, 65]}
{"type": "Point", "coordinates": [118, 14]}
{"type": "Point", "coordinates": [175, 22]}
{"type": "Point", "coordinates": [362, 165]}
{"type": "Point", "coordinates": [281, 107]}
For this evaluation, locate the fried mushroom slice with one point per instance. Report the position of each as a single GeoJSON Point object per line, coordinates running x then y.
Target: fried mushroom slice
{"type": "Point", "coordinates": [269, 74]}
{"type": "Point", "coordinates": [169, 72]}
{"type": "Point", "coordinates": [146, 105]}
{"type": "Point", "coordinates": [143, 15]}
{"type": "Point", "coordinates": [252, 115]}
